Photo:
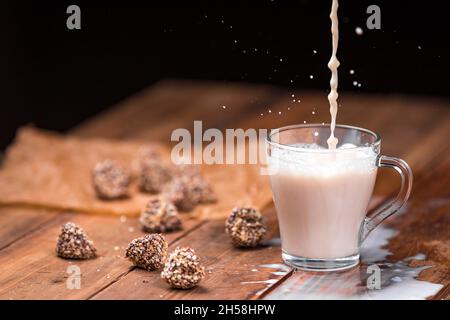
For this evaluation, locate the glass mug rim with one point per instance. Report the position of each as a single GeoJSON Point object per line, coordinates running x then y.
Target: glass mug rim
{"type": "Point", "coordinates": [270, 141]}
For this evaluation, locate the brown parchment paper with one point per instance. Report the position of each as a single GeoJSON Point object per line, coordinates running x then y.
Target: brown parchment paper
{"type": "Point", "coordinates": [46, 169]}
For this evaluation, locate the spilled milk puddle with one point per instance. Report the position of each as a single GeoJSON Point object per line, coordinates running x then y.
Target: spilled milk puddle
{"type": "Point", "coordinates": [396, 280]}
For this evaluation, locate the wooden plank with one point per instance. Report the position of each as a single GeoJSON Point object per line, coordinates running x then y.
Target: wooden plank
{"type": "Point", "coordinates": [158, 105]}
{"type": "Point", "coordinates": [31, 270]}
{"type": "Point", "coordinates": [231, 273]}
{"type": "Point", "coordinates": [426, 225]}
{"type": "Point", "coordinates": [392, 116]}
{"type": "Point", "coordinates": [113, 268]}
{"type": "Point", "coordinates": [273, 121]}
{"type": "Point", "coordinates": [110, 125]}
{"type": "Point", "coordinates": [213, 232]}
{"type": "Point", "coordinates": [38, 247]}
{"type": "Point", "coordinates": [18, 222]}
{"type": "Point", "coordinates": [107, 125]}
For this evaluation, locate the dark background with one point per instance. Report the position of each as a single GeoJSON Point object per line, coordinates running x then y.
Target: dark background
{"type": "Point", "coordinates": [55, 77]}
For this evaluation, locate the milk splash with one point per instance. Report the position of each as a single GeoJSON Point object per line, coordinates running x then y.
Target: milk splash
{"type": "Point", "coordinates": [333, 64]}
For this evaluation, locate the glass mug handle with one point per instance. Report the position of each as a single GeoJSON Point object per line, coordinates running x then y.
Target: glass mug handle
{"type": "Point", "coordinates": [395, 205]}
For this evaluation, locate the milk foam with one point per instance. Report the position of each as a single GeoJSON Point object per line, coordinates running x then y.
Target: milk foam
{"type": "Point", "coordinates": [313, 159]}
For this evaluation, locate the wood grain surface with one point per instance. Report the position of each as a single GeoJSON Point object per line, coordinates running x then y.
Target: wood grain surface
{"type": "Point", "coordinates": [413, 128]}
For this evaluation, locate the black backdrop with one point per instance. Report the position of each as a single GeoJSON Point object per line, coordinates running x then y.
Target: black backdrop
{"type": "Point", "coordinates": [56, 77]}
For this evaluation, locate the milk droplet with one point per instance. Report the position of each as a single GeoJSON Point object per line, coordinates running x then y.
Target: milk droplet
{"type": "Point", "coordinates": [355, 83]}
{"type": "Point", "coordinates": [315, 51]}
{"type": "Point", "coordinates": [279, 112]}
{"type": "Point", "coordinates": [304, 121]}
{"type": "Point", "coordinates": [224, 107]}
{"type": "Point", "coordinates": [270, 111]}
{"type": "Point", "coordinates": [292, 95]}
{"type": "Point", "coordinates": [311, 76]}
{"type": "Point", "coordinates": [316, 134]}
{"type": "Point", "coordinates": [281, 59]}
{"type": "Point", "coordinates": [359, 31]}
{"type": "Point", "coordinates": [313, 112]}
{"type": "Point", "coordinates": [419, 47]}
{"type": "Point", "coordinates": [289, 108]}
{"type": "Point", "coordinates": [352, 71]}
{"type": "Point", "coordinates": [235, 41]}
{"type": "Point", "coordinates": [294, 100]}
{"type": "Point", "coordinates": [359, 85]}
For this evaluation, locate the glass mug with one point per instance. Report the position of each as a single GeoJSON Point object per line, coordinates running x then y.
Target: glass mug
{"type": "Point", "coordinates": [321, 196]}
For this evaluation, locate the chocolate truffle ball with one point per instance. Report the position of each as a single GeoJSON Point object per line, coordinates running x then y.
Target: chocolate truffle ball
{"type": "Point", "coordinates": [245, 226]}
{"type": "Point", "coordinates": [188, 191]}
{"type": "Point", "coordinates": [153, 175]}
{"type": "Point", "coordinates": [204, 190]}
{"type": "Point", "coordinates": [110, 180]}
{"type": "Point", "coordinates": [148, 252]}
{"type": "Point", "coordinates": [180, 192]}
{"type": "Point", "coordinates": [160, 216]}
{"type": "Point", "coordinates": [183, 269]}
{"type": "Point", "coordinates": [145, 153]}
{"type": "Point", "coordinates": [183, 169]}
{"type": "Point", "coordinates": [199, 184]}
{"type": "Point", "coordinates": [73, 243]}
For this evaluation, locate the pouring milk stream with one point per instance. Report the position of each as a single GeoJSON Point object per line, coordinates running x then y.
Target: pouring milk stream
{"type": "Point", "coordinates": [333, 65]}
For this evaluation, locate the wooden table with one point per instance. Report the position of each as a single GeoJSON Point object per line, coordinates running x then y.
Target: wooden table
{"type": "Point", "coordinates": [414, 128]}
